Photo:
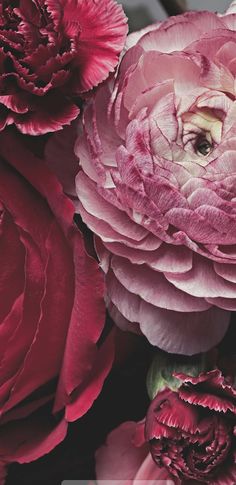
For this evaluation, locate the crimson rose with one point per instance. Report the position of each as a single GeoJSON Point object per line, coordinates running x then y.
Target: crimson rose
{"type": "Point", "coordinates": [192, 432]}
{"type": "Point", "coordinates": [51, 313]}
{"type": "Point", "coordinates": [50, 50]}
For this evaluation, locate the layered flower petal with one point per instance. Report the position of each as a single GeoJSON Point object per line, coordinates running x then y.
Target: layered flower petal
{"type": "Point", "coordinates": [157, 182]}
{"type": "Point", "coordinates": [191, 431]}
{"type": "Point", "coordinates": [52, 366]}
{"type": "Point", "coordinates": [51, 52]}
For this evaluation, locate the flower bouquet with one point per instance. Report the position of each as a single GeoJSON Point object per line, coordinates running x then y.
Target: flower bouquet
{"type": "Point", "coordinates": [118, 245]}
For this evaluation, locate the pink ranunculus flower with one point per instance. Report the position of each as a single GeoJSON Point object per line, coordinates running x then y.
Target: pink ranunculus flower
{"type": "Point", "coordinates": [158, 182]}
{"type": "Point", "coordinates": [52, 51]}
{"type": "Point", "coordinates": [125, 458]}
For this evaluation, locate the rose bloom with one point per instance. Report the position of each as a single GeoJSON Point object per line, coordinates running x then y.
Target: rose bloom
{"type": "Point", "coordinates": [158, 181]}
{"type": "Point", "coordinates": [52, 310]}
{"type": "Point", "coordinates": [52, 50]}
{"type": "Point", "coordinates": [125, 458]}
{"type": "Point", "coordinates": [192, 432]}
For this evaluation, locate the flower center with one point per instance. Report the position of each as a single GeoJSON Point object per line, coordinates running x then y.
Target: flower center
{"type": "Point", "coordinates": [201, 133]}
{"type": "Point", "coordinates": [203, 146]}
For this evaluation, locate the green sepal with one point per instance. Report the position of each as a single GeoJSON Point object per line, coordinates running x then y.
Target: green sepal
{"type": "Point", "coordinates": [160, 374]}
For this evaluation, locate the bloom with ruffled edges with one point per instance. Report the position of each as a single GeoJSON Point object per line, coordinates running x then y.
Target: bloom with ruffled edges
{"type": "Point", "coordinates": [192, 432]}
{"type": "Point", "coordinates": [158, 182]}
{"type": "Point", "coordinates": [50, 52]}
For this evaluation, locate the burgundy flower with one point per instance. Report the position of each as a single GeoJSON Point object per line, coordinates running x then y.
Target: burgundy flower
{"type": "Point", "coordinates": [192, 432]}
{"type": "Point", "coordinates": [51, 50]}
{"type": "Point", "coordinates": [52, 309]}
{"type": "Point", "coordinates": [158, 182]}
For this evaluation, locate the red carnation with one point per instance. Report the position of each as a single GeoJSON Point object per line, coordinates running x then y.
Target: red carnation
{"type": "Point", "coordinates": [192, 432]}
{"type": "Point", "coordinates": [50, 51]}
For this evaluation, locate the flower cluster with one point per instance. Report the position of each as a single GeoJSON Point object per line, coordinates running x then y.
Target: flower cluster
{"type": "Point", "coordinates": [118, 244]}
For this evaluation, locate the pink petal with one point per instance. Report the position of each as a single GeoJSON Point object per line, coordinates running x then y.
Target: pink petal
{"type": "Point", "coordinates": [178, 67]}
{"type": "Point", "coordinates": [150, 471]}
{"type": "Point", "coordinates": [102, 36]}
{"type": "Point", "coordinates": [230, 21]}
{"type": "Point", "coordinates": [134, 37]}
{"type": "Point", "coordinates": [176, 37]}
{"type": "Point", "coordinates": [99, 208]}
{"type": "Point", "coordinates": [227, 271]}
{"type": "Point", "coordinates": [231, 9]}
{"type": "Point", "coordinates": [121, 321]}
{"type": "Point", "coordinates": [120, 443]}
{"type": "Point", "coordinates": [190, 333]}
{"type": "Point", "coordinates": [224, 303]}
{"type": "Point", "coordinates": [15, 102]}
{"type": "Point", "coordinates": [215, 394]}
{"type": "Point", "coordinates": [202, 281]}
{"type": "Point", "coordinates": [175, 332]}
{"type": "Point", "coordinates": [51, 115]}
{"type": "Point", "coordinates": [152, 287]}
{"type": "Point", "coordinates": [204, 21]}
{"type": "Point", "coordinates": [173, 259]}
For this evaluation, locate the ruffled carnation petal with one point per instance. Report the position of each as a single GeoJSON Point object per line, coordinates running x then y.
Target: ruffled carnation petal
{"type": "Point", "coordinates": [191, 430]}
{"type": "Point", "coordinates": [51, 52]}
{"type": "Point", "coordinates": [103, 32]}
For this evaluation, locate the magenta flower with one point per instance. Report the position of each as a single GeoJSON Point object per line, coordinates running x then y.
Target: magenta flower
{"type": "Point", "coordinates": [192, 432]}
{"type": "Point", "coordinates": [52, 50]}
{"type": "Point", "coordinates": [52, 310]}
{"type": "Point", "coordinates": [158, 182]}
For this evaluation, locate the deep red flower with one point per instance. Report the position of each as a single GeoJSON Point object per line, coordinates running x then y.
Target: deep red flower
{"type": "Point", "coordinates": [51, 313]}
{"type": "Point", "coordinates": [51, 50]}
{"type": "Point", "coordinates": [192, 432]}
